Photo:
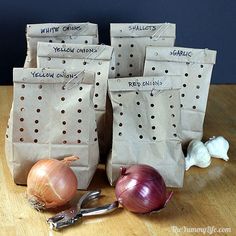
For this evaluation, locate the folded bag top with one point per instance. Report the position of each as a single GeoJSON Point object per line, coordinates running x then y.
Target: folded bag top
{"type": "Point", "coordinates": [82, 33]}
{"type": "Point", "coordinates": [62, 29]}
{"type": "Point", "coordinates": [154, 30]}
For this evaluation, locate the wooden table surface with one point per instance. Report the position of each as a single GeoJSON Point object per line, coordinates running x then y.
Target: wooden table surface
{"type": "Point", "coordinates": [208, 198]}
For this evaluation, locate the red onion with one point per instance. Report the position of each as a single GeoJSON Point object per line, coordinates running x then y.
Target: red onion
{"type": "Point", "coordinates": [51, 183]}
{"type": "Point", "coordinates": [141, 189]}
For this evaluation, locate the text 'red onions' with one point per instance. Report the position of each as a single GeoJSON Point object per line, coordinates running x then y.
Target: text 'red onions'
{"type": "Point", "coordinates": [51, 183]}
{"type": "Point", "coordinates": [141, 189]}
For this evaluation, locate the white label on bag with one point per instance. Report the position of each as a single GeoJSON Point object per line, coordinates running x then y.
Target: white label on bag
{"type": "Point", "coordinates": [180, 54]}
{"type": "Point", "coordinates": [34, 75]}
{"type": "Point", "coordinates": [59, 29]}
{"type": "Point", "coordinates": [143, 30]}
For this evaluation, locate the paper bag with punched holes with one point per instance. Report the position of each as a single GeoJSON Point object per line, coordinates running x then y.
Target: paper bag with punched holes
{"type": "Point", "coordinates": [146, 119]}
{"type": "Point", "coordinates": [95, 58]}
{"type": "Point", "coordinates": [83, 33]}
{"type": "Point", "coordinates": [130, 41]}
{"type": "Point", "coordinates": [52, 116]}
{"type": "Point", "coordinates": [195, 66]}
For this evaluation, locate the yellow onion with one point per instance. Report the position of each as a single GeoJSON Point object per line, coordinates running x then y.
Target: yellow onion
{"type": "Point", "coordinates": [141, 189]}
{"type": "Point", "coordinates": [51, 183]}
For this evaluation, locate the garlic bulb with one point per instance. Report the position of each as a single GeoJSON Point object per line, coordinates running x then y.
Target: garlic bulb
{"type": "Point", "coordinates": [218, 147]}
{"type": "Point", "coordinates": [197, 155]}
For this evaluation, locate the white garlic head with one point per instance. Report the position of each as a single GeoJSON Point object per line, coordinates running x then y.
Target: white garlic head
{"type": "Point", "coordinates": [197, 155]}
{"type": "Point", "coordinates": [218, 147]}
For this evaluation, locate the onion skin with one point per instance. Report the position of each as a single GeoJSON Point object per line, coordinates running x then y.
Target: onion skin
{"type": "Point", "coordinates": [51, 183]}
{"type": "Point", "coordinates": [141, 189]}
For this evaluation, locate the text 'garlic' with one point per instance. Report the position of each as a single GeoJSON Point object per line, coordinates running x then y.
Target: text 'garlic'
{"type": "Point", "coordinates": [197, 155]}
{"type": "Point", "coordinates": [218, 147]}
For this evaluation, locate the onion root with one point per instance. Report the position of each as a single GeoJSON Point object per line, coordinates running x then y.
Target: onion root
{"type": "Point", "coordinates": [36, 204]}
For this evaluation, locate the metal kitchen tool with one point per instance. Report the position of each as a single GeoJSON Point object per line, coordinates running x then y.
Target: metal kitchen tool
{"type": "Point", "coordinates": [75, 213]}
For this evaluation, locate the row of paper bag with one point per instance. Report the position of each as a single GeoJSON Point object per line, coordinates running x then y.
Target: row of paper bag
{"type": "Point", "coordinates": [157, 100]}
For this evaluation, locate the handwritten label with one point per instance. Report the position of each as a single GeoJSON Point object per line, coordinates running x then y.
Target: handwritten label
{"type": "Point", "coordinates": [145, 83]}
{"type": "Point", "coordinates": [142, 27]}
{"type": "Point", "coordinates": [57, 29]}
{"type": "Point", "coordinates": [49, 30]}
{"type": "Point", "coordinates": [180, 53]}
{"type": "Point", "coordinates": [53, 75]}
{"type": "Point", "coordinates": [72, 28]}
{"type": "Point", "coordinates": [74, 50]}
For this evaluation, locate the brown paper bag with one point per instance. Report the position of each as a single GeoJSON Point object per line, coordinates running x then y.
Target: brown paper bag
{"type": "Point", "coordinates": [146, 119]}
{"type": "Point", "coordinates": [82, 33]}
{"type": "Point", "coordinates": [52, 116]}
{"type": "Point", "coordinates": [95, 58]}
{"type": "Point", "coordinates": [195, 66]}
{"type": "Point", "coordinates": [130, 41]}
